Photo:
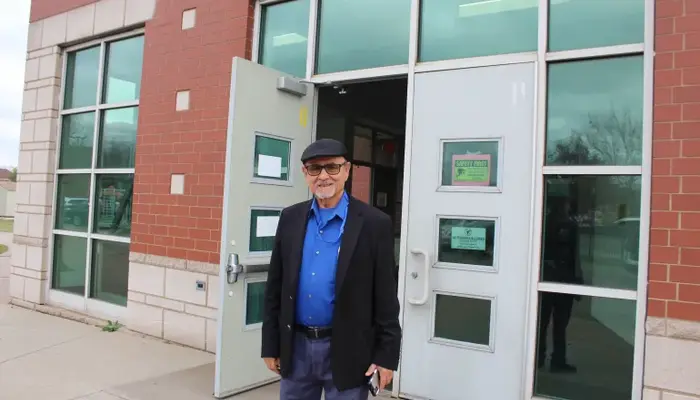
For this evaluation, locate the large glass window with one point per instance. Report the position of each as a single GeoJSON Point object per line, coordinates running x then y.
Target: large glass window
{"type": "Point", "coordinates": [588, 286]}
{"type": "Point", "coordinates": [590, 343]}
{"type": "Point", "coordinates": [451, 29]}
{"type": "Point", "coordinates": [594, 112]}
{"type": "Point", "coordinates": [359, 34]}
{"type": "Point", "coordinates": [579, 24]}
{"type": "Point", "coordinates": [95, 174]}
{"type": "Point", "coordinates": [284, 35]}
{"type": "Point", "coordinates": [591, 230]}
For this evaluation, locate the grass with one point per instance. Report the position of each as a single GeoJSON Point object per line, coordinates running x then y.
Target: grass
{"type": "Point", "coordinates": [6, 225]}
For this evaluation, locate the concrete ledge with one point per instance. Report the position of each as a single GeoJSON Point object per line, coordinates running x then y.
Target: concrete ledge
{"type": "Point", "coordinates": [673, 328]}
{"type": "Point", "coordinates": [174, 263]}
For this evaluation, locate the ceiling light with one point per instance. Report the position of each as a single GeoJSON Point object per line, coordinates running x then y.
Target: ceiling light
{"type": "Point", "coordinates": [287, 38]}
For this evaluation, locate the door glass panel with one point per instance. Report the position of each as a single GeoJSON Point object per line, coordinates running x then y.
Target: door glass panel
{"type": "Point", "coordinates": [263, 226]}
{"type": "Point", "coordinates": [72, 202]}
{"type": "Point", "coordinates": [591, 230]}
{"type": "Point", "coordinates": [451, 29]}
{"type": "Point", "coordinates": [592, 341]}
{"type": "Point", "coordinates": [362, 183]}
{"type": "Point", "coordinates": [113, 199]}
{"type": "Point", "coordinates": [118, 138]}
{"type": "Point", "coordinates": [470, 163]}
{"type": "Point", "coordinates": [124, 63]}
{"type": "Point", "coordinates": [283, 40]}
{"type": "Point", "coordinates": [385, 150]}
{"type": "Point", "coordinates": [467, 241]}
{"type": "Point", "coordinates": [594, 112]}
{"type": "Point", "coordinates": [69, 264]}
{"type": "Point", "coordinates": [271, 158]}
{"type": "Point", "coordinates": [110, 272]}
{"type": "Point", "coordinates": [380, 40]}
{"type": "Point", "coordinates": [254, 298]}
{"type": "Point", "coordinates": [579, 24]}
{"type": "Point", "coordinates": [463, 319]}
{"type": "Point", "coordinates": [76, 141]}
{"type": "Point", "coordinates": [82, 70]}
{"type": "Point", "coordinates": [362, 144]}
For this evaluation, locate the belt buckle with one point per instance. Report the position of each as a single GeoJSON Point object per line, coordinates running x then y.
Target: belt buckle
{"type": "Point", "coordinates": [315, 332]}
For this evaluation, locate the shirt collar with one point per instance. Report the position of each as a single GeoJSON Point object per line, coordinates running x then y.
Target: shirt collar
{"type": "Point", "coordinates": [339, 211]}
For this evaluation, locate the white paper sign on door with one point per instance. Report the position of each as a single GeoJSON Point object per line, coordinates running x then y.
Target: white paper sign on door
{"type": "Point", "coordinates": [266, 226]}
{"type": "Point", "coordinates": [269, 166]}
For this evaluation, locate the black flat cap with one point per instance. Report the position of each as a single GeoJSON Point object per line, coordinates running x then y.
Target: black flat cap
{"type": "Point", "coordinates": [324, 148]}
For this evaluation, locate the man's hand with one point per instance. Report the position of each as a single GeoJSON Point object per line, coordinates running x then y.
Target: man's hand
{"type": "Point", "coordinates": [273, 364]}
{"type": "Point", "coordinates": [385, 375]}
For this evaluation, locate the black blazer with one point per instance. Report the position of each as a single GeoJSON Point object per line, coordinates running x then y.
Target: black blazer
{"type": "Point", "coordinates": [365, 323]}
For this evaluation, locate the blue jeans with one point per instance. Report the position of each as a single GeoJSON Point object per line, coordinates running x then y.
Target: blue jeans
{"type": "Point", "coordinates": [311, 373]}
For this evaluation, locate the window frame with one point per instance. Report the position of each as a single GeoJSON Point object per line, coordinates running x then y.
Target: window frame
{"type": "Point", "coordinates": [86, 302]}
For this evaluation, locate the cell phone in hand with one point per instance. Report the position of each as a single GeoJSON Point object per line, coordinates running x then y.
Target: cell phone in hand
{"type": "Point", "coordinates": [373, 383]}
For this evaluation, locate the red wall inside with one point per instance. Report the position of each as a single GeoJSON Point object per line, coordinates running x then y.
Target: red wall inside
{"type": "Point", "coordinates": [674, 270]}
{"type": "Point", "coordinates": [191, 142]}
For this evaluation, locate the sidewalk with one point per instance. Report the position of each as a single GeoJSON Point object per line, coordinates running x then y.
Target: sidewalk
{"type": "Point", "coordinates": [46, 357]}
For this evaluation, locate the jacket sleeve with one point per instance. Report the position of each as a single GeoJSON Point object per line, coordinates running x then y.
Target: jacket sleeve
{"type": "Point", "coordinates": [386, 303]}
{"type": "Point", "coordinates": [272, 301]}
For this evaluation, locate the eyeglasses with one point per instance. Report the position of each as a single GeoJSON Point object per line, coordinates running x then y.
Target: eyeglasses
{"type": "Point", "coordinates": [331, 169]}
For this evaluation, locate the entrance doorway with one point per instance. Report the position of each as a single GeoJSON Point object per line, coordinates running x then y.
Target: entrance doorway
{"type": "Point", "coordinates": [370, 118]}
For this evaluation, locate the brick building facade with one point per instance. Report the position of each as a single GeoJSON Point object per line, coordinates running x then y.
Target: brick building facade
{"type": "Point", "coordinates": [183, 116]}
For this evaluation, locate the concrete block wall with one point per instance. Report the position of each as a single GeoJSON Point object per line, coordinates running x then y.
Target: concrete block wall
{"type": "Point", "coordinates": [673, 326]}
{"type": "Point", "coordinates": [165, 301]}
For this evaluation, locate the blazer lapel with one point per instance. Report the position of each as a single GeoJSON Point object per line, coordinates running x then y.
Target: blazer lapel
{"type": "Point", "coordinates": [297, 242]}
{"type": "Point", "coordinates": [353, 226]}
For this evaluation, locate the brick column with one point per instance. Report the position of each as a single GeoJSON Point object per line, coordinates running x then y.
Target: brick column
{"type": "Point", "coordinates": [673, 324]}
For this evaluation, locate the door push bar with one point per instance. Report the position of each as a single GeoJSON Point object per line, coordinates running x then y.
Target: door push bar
{"type": "Point", "coordinates": [234, 268]}
{"type": "Point", "coordinates": [426, 281]}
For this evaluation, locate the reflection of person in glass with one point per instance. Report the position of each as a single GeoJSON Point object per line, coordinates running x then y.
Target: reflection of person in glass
{"type": "Point", "coordinates": [560, 265]}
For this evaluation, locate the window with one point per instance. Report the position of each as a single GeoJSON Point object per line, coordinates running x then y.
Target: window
{"type": "Point", "coordinates": [470, 163]}
{"type": "Point", "coordinates": [360, 34]}
{"type": "Point", "coordinates": [284, 35]}
{"type": "Point", "coordinates": [271, 158]}
{"type": "Point", "coordinates": [451, 29]}
{"type": "Point", "coordinates": [95, 176]}
{"type": "Point", "coordinates": [594, 112]}
{"type": "Point", "coordinates": [588, 277]}
{"type": "Point", "coordinates": [463, 319]}
{"type": "Point", "coordinates": [579, 24]}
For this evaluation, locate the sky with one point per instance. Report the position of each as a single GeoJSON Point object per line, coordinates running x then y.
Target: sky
{"type": "Point", "coordinates": [14, 22]}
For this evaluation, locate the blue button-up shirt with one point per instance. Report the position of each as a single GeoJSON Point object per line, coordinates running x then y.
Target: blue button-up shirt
{"type": "Point", "coordinates": [316, 290]}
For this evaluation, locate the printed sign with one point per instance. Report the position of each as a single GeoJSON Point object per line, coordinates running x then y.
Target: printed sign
{"type": "Point", "coordinates": [465, 238]}
{"type": "Point", "coordinates": [471, 169]}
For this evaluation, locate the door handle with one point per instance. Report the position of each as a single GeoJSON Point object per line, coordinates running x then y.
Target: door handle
{"type": "Point", "coordinates": [234, 268]}
{"type": "Point", "coordinates": [426, 280]}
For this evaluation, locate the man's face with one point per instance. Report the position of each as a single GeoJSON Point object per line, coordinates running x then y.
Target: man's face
{"type": "Point", "coordinates": [326, 176]}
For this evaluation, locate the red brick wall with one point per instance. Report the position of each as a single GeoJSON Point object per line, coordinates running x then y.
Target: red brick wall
{"type": "Point", "coordinates": [674, 270]}
{"type": "Point", "coordinates": [189, 142]}
{"type": "Point", "coordinates": [46, 8]}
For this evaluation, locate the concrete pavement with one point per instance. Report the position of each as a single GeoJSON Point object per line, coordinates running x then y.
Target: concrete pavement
{"type": "Point", "coordinates": [48, 357]}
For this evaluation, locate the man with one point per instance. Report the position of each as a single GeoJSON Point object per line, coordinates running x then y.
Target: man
{"type": "Point", "coordinates": [561, 264]}
{"type": "Point", "coordinates": [331, 310]}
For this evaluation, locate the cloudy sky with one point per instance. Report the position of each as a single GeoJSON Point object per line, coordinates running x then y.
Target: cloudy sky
{"type": "Point", "coordinates": [14, 21]}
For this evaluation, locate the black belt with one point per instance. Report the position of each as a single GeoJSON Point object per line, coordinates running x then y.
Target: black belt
{"type": "Point", "coordinates": [314, 332]}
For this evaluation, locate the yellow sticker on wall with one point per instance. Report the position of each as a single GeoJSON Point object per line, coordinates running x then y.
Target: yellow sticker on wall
{"type": "Point", "coordinates": [303, 116]}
